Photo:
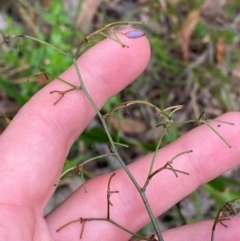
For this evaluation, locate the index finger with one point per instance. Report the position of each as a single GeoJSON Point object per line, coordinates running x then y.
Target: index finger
{"type": "Point", "coordinates": [34, 146]}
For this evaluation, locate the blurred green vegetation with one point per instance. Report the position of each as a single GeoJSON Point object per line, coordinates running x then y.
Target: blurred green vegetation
{"type": "Point", "coordinates": [200, 83]}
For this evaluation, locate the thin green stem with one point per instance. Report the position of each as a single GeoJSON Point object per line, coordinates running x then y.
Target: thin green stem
{"type": "Point", "coordinates": [221, 137]}
{"type": "Point", "coordinates": [66, 224]}
{"type": "Point", "coordinates": [105, 28]}
{"type": "Point", "coordinates": [144, 102]}
{"type": "Point", "coordinates": [42, 42]}
{"type": "Point", "coordinates": [121, 144]}
{"type": "Point", "coordinates": [116, 39]}
{"type": "Point", "coordinates": [66, 82]}
{"type": "Point", "coordinates": [82, 164]}
{"type": "Point", "coordinates": [220, 121]}
{"type": "Point", "coordinates": [206, 122]}
{"type": "Point", "coordinates": [150, 213]}
{"type": "Point", "coordinates": [117, 154]}
{"type": "Point", "coordinates": [105, 127]}
{"type": "Point", "coordinates": [167, 166]}
{"type": "Point", "coordinates": [179, 154]}
{"type": "Point", "coordinates": [109, 193]}
{"type": "Point", "coordinates": [82, 220]}
{"type": "Point", "coordinates": [127, 230]}
{"type": "Point", "coordinates": [155, 152]}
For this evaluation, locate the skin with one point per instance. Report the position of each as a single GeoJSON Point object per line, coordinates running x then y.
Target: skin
{"type": "Point", "coordinates": [34, 146]}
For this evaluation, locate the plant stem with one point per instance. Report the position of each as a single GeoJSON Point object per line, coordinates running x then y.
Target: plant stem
{"type": "Point", "coordinates": [82, 164]}
{"type": "Point", "coordinates": [143, 196]}
{"type": "Point", "coordinates": [42, 42]}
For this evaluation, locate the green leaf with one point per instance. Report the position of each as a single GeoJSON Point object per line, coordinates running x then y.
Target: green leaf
{"type": "Point", "coordinates": [94, 135]}
{"type": "Point", "coordinates": [13, 93]}
{"type": "Point", "coordinates": [222, 197]}
{"type": "Point", "coordinates": [218, 184]}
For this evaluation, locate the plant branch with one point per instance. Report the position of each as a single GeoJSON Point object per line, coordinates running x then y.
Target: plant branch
{"type": "Point", "coordinates": [8, 37]}
{"type": "Point", "coordinates": [156, 228]}
{"type": "Point", "coordinates": [78, 168]}
{"type": "Point", "coordinates": [229, 209]}
{"type": "Point", "coordinates": [105, 28]}
{"type": "Point", "coordinates": [109, 193]}
{"type": "Point", "coordinates": [167, 166]}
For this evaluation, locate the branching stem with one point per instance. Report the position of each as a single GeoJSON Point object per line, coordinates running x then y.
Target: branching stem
{"type": "Point", "coordinates": [109, 193]}
{"type": "Point", "coordinates": [143, 196]}
{"type": "Point", "coordinates": [229, 209]}
{"type": "Point", "coordinates": [78, 168]}
{"type": "Point", "coordinates": [101, 31]}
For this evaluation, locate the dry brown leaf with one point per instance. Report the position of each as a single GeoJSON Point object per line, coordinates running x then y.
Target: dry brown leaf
{"type": "Point", "coordinates": [29, 16]}
{"type": "Point", "coordinates": [128, 125]}
{"type": "Point", "coordinates": [186, 31]}
{"type": "Point", "coordinates": [88, 9]}
{"type": "Point", "coordinates": [211, 6]}
{"type": "Point", "coordinates": [46, 4]}
{"type": "Point", "coordinates": [219, 50]}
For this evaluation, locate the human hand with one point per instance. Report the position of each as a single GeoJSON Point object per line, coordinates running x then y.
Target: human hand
{"type": "Point", "coordinates": [35, 145]}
